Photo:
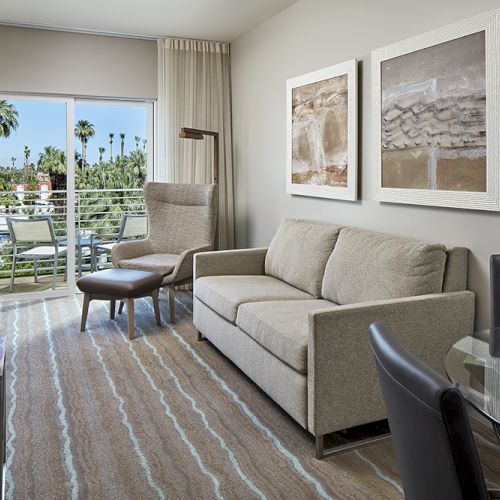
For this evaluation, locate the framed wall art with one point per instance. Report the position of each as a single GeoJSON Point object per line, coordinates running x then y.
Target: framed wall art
{"type": "Point", "coordinates": [436, 117]}
{"type": "Point", "coordinates": [322, 133]}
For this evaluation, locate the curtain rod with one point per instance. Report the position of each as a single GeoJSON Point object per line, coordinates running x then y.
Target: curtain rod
{"type": "Point", "coordinates": [82, 31]}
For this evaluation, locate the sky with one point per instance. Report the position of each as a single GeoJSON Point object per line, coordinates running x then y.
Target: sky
{"type": "Point", "coordinates": [43, 123]}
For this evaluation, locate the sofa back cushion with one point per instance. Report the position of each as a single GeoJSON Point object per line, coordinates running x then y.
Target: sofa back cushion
{"type": "Point", "coordinates": [367, 266]}
{"type": "Point", "coordinates": [299, 252]}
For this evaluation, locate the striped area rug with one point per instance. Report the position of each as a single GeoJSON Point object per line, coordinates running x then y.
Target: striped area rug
{"type": "Point", "coordinates": [93, 415]}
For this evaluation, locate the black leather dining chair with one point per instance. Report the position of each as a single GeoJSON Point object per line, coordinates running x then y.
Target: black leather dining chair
{"type": "Point", "coordinates": [431, 434]}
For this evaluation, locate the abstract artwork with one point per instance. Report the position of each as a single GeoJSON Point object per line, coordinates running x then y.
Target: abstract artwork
{"type": "Point", "coordinates": [322, 133]}
{"type": "Point", "coordinates": [432, 139]}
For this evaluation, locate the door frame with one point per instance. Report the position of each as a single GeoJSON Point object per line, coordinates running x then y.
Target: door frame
{"type": "Point", "coordinates": [70, 102]}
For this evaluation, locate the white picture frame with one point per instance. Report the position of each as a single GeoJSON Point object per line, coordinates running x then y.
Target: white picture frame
{"type": "Point", "coordinates": [350, 190]}
{"type": "Point", "coordinates": [478, 200]}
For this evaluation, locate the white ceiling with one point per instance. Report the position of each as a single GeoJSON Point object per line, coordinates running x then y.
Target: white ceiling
{"type": "Point", "coordinates": [222, 20]}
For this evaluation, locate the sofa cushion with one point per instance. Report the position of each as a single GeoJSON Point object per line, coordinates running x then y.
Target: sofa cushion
{"type": "Point", "coordinates": [281, 327]}
{"type": "Point", "coordinates": [224, 294]}
{"type": "Point", "coordinates": [299, 252]}
{"type": "Point", "coordinates": [366, 266]}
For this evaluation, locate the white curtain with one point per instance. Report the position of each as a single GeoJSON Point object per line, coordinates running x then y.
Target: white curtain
{"type": "Point", "coordinates": [194, 91]}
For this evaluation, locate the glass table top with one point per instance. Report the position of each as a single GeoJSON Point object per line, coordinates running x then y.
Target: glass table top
{"type": "Point", "coordinates": [469, 364]}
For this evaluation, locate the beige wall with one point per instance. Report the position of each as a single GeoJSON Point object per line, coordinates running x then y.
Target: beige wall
{"type": "Point", "coordinates": [43, 61]}
{"type": "Point", "coordinates": [310, 35]}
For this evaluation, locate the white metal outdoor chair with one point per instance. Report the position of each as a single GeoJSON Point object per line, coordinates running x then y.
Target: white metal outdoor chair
{"type": "Point", "coordinates": [38, 236]}
{"type": "Point", "coordinates": [132, 226]}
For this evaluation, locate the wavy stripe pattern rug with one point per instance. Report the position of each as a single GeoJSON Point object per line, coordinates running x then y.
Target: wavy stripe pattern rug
{"type": "Point", "coordinates": [93, 415]}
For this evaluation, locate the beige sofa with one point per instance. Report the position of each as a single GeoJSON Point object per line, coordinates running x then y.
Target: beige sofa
{"type": "Point", "coordinates": [295, 317]}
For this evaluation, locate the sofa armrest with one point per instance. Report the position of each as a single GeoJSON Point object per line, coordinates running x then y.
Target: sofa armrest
{"type": "Point", "coordinates": [184, 267]}
{"type": "Point", "coordinates": [228, 262]}
{"type": "Point", "coordinates": [130, 250]}
{"type": "Point", "coordinates": [343, 387]}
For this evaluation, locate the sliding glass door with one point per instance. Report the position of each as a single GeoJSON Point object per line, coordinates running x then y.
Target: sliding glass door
{"type": "Point", "coordinates": [36, 199]}
{"type": "Point", "coordinates": [67, 163]}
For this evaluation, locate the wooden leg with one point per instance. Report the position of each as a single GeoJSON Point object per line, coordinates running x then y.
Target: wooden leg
{"type": "Point", "coordinates": [156, 305]}
{"type": "Point", "coordinates": [130, 318]}
{"type": "Point", "coordinates": [85, 311]}
{"type": "Point", "coordinates": [120, 307]}
{"type": "Point", "coordinates": [112, 305]}
{"type": "Point", "coordinates": [201, 337]}
{"type": "Point", "coordinates": [171, 304]}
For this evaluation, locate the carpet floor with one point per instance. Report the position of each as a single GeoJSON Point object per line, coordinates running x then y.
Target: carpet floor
{"type": "Point", "coordinates": [94, 415]}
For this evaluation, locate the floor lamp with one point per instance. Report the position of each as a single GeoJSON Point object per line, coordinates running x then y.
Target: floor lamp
{"type": "Point", "coordinates": [196, 134]}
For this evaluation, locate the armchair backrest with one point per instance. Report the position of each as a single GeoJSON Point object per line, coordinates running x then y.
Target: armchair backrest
{"type": "Point", "coordinates": [37, 230]}
{"type": "Point", "coordinates": [181, 216]}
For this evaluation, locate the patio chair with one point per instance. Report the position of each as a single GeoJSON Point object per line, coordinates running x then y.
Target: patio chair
{"type": "Point", "coordinates": [37, 233]}
{"type": "Point", "coordinates": [182, 222]}
{"type": "Point", "coordinates": [132, 226]}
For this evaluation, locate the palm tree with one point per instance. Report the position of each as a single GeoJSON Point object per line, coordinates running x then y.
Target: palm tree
{"type": "Point", "coordinates": [13, 160]}
{"type": "Point", "coordinates": [122, 145]}
{"type": "Point", "coordinates": [8, 118]}
{"type": "Point", "coordinates": [27, 173]}
{"type": "Point", "coordinates": [83, 131]}
{"type": "Point", "coordinates": [27, 153]}
{"type": "Point", "coordinates": [52, 161]}
{"type": "Point", "coordinates": [101, 152]}
{"type": "Point", "coordinates": [144, 141]}
{"type": "Point", "coordinates": [137, 140]}
{"type": "Point", "coordinates": [111, 146]}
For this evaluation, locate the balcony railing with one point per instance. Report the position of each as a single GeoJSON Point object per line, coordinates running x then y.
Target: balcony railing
{"type": "Point", "coordinates": [97, 212]}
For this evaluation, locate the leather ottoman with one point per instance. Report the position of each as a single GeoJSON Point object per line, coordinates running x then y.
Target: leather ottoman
{"type": "Point", "coordinates": [120, 284]}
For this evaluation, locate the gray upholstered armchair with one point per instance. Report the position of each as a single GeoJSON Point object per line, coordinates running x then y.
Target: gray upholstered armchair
{"type": "Point", "coordinates": [182, 222]}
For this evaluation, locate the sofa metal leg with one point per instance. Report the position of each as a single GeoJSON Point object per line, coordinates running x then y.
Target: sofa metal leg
{"type": "Point", "coordinates": [345, 446]}
{"type": "Point", "coordinates": [200, 336]}
{"type": "Point", "coordinates": [320, 447]}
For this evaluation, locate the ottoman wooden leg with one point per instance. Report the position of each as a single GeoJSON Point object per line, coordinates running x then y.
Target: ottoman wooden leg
{"type": "Point", "coordinates": [85, 311]}
{"type": "Point", "coordinates": [154, 295]}
{"type": "Point", "coordinates": [120, 307]}
{"type": "Point", "coordinates": [171, 303]}
{"type": "Point", "coordinates": [112, 304]}
{"type": "Point", "coordinates": [130, 318]}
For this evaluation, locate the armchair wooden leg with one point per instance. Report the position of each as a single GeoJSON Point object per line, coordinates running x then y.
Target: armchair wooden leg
{"type": "Point", "coordinates": [120, 307]}
{"type": "Point", "coordinates": [171, 303]}
{"type": "Point", "coordinates": [112, 306]}
{"type": "Point", "coordinates": [156, 306]}
{"type": "Point", "coordinates": [85, 311]}
{"type": "Point", "coordinates": [130, 318]}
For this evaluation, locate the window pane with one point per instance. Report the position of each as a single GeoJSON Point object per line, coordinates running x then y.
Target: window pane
{"type": "Point", "coordinates": [32, 185]}
{"type": "Point", "coordinates": [111, 168]}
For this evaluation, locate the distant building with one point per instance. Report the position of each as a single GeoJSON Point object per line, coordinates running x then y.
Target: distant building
{"type": "Point", "coordinates": [43, 185]}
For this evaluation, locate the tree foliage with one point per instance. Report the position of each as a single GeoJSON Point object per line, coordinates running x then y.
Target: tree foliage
{"type": "Point", "coordinates": [8, 118]}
